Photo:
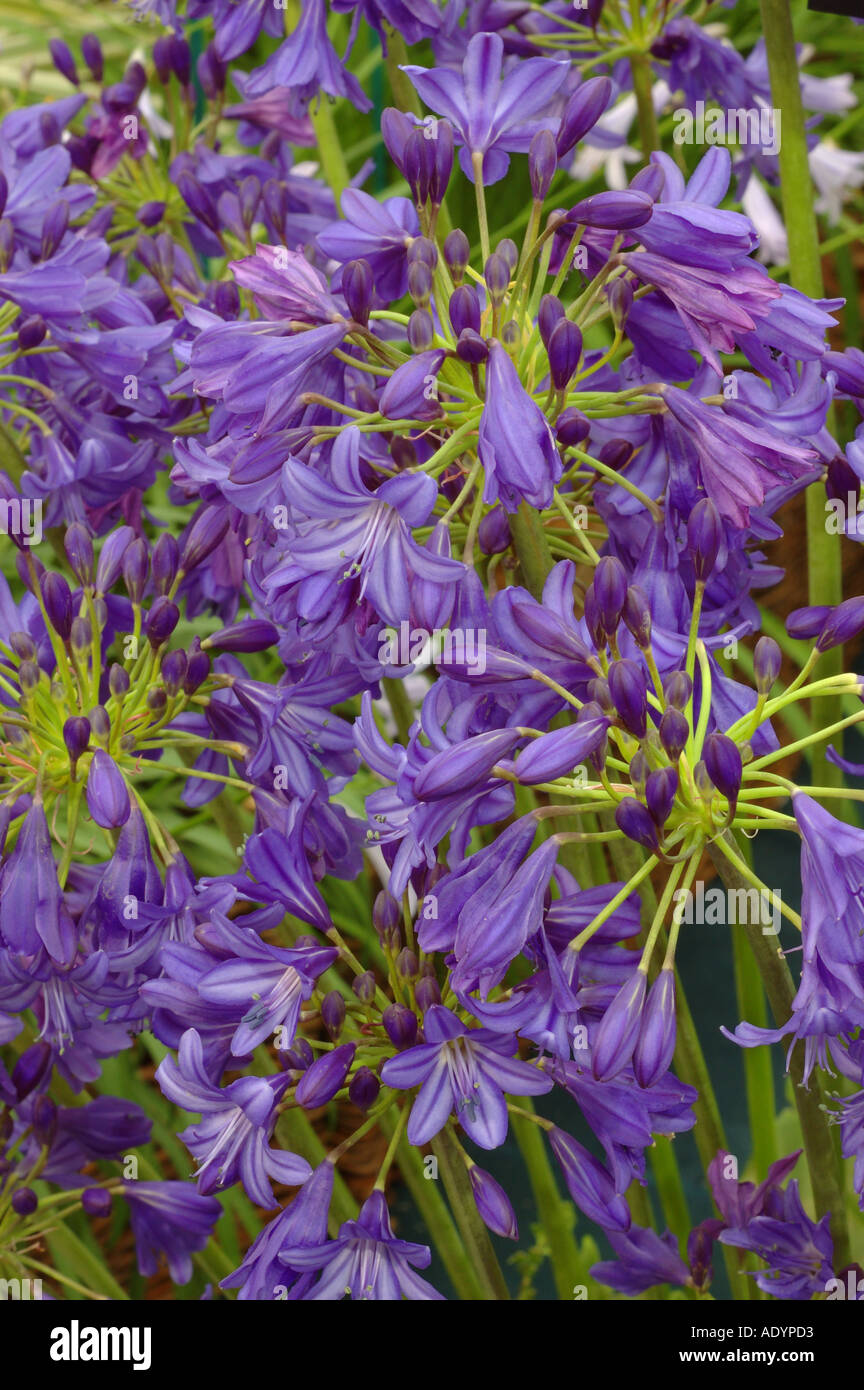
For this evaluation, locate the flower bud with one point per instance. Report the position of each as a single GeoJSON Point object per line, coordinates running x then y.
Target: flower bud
{"type": "Point", "coordinates": [464, 309]}
{"type": "Point", "coordinates": [164, 562]}
{"type": "Point", "coordinates": [364, 987]}
{"type": "Point", "coordinates": [61, 57]}
{"type": "Point", "coordinates": [767, 659]}
{"type": "Point", "coordinates": [614, 210]}
{"type": "Point", "coordinates": [629, 691]}
{"type": "Point", "coordinates": [32, 332]}
{"type": "Point", "coordinates": [81, 635]}
{"type": "Point", "coordinates": [655, 1045]}
{"type": "Point", "coordinates": [79, 552]}
{"type": "Point", "coordinates": [118, 681]}
{"type": "Point", "coordinates": [678, 688]}
{"type": "Point", "coordinates": [557, 753]}
{"type": "Point", "coordinates": [493, 1204]}
{"type": "Point", "coordinates": [619, 1028]}
{"type": "Point", "coordinates": [161, 622]}
{"type": "Point", "coordinates": [705, 538]}
{"type": "Point", "coordinates": [582, 111]}
{"type": "Point", "coordinates": [110, 561]}
{"type": "Point", "coordinates": [610, 592]}
{"type": "Point", "coordinates": [844, 622]}
{"type": "Point", "coordinates": [457, 253]}
{"type": "Point", "coordinates": [722, 760]}
{"type": "Point", "coordinates": [471, 347]}
{"type": "Point", "coordinates": [660, 789]}
{"type": "Point", "coordinates": [357, 290]}
{"type": "Point", "coordinates": [57, 598]}
{"type": "Point", "coordinates": [573, 428]}
{"type": "Point", "coordinates": [400, 1024]}
{"type": "Point", "coordinates": [333, 1013]}
{"type": "Point", "coordinates": [674, 732]}
{"type": "Point", "coordinates": [805, 623]}
{"type": "Point", "coordinates": [174, 671]}
{"type": "Point", "coordinates": [427, 993]}
{"type": "Point", "coordinates": [249, 635]}
{"type": "Point", "coordinates": [564, 349]}
{"type": "Point", "coordinates": [76, 736]}
{"type": "Point", "coordinates": [496, 274]}
{"type": "Point", "coordinates": [421, 330]}
{"type": "Point", "coordinates": [135, 564]}
{"type": "Point", "coordinates": [588, 1183]}
{"type": "Point", "coordinates": [24, 1201]}
{"type": "Point", "coordinates": [493, 533]}
{"type": "Point", "coordinates": [197, 671]}
{"type": "Point", "coordinates": [364, 1089]}
{"type": "Point", "coordinates": [637, 616]}
{"type": "Point", "coordinates": [549, 315]}
{"type": "Point", "coordinates": [107, 793]}
{"type": "Point", "coordinates": [325, 1077]}
{"type": "Point", "coordinates": [91, 52]}
{"type": "Point", "coordinates": [542, 163]}
{"type": "Point", "coordinates": [635, 821]}
{"type": "Point", "coordinates": [206, 532]}
{"type": "Point", "coordinates": [100, 724]}
{"type": "Point", "coordinates": [96, 1201]}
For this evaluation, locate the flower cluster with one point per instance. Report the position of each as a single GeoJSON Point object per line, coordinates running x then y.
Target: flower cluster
{"type": "Point", "coordinates": [382, 696]}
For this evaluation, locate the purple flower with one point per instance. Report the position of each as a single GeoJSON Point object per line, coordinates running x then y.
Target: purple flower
{"type": "Point", "coordinates": [462, 1071]}
{"type": "Point", "coordinates": [263, 1275]}
{"type": "Point", "coordinates": [307, 60]}
{"type": "Point", "coordinates": [230, 1141]}
{"type": "Point", "coordinates": [170, 1219]}
{"type": "Point", "coordinates": [644, 1259]}
{"type": "Point", "coordinates": [797, 1251]}
{"type": "Point", "coordinates": [491, 116]}
{"type": "Point", "coordinates": [33, 913]}
{"type": "Point", "coordinates": [516, 445]}
{"type": "Point", "coordinates": [364, 1262]}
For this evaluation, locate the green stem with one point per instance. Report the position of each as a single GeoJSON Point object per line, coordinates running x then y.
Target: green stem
{"type": "Point", "coordinates": [824, 572]}
{"type": "Point", "coordinates": [555, 1212]}
{"type": "Point", "coordinates": [439, 1223]}
{"type": "Point", "coordinates": [475, 1235]}
{"type": "Point", "coordinates": [532, 548]}
{"type": "Point", "coordinates": [826, 1172]}
{"type": "Point", "coordinates": [649, 135]}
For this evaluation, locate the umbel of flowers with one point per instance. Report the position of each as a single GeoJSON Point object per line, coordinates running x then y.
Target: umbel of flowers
{"type": "Point", "coordinates": [278, 426]}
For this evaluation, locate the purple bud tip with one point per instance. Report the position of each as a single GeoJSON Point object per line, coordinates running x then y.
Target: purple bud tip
{"type": "Point", "coordinates": [722, 760]}
{"type": "Point", "coordinates": [493, 1204]}
{"type": "Point", "coordinates": [364, 987]}
{"type": "Point", "coordinates": [674, 732]}
{"type": "Point", "coordinates": [704, 538]}
{"type": "Point", "coordinates": [496, 274]}
{"type": "Point", "coordinates": [845, 622]}
{"type": "Point", "coordinates": [564, 349]}
{"type": "Point", "coordinates": [610, 592]}
{"type": "Point", "coordinates": [573, 428]}
{"type": "Point", "coordinates": [806, 623]}
{"type": "Point", "coordinates": [162, 620]}
{"type": "Point", "coordinates": [57, 597]}
{"type": "Point", "coordinates": [767, 659]}
{"type": "Point", "coordinates": [457, 253]}
{"type": "Point", "coordinates": [542, 163]}
{"type": "Point", "coordinates": [76, 736]}
{"type": "Point", "coordinates": [61, 57]}
{"type": "Point", "coordinates": [206, 532]}
{"type": "Point", "coordinates": [333, 1013]}
{"type": "Point", "coordinates": [635, 821]}
{"type": "Point", "coordinates": [656, 1042]}
{"type": "Point", "coordinates": [107, 793]}
{"type": "Point", "coordinates": [637, 616]}
{"type": "Point", "coordinates": [79, 552]}
{"type": "Point", "coordinates": [550, 313]}
{"type": "Point", "coordinates": [250, 635]}
{"type": "Point", "coordinates": [464, 309]}
{"type": "Point", "coordinates": [661, 787]}
{"type": "Point", "coordinates": [326, 1077]}
{"type": "Point", "coordinates": [678, 688]}
{"type": "Point", "coordinates": [629, 690]}
{"type": "Point", "coordinates": [619, 1028]}
{"type": "Point", "coordinates": [357, 290]}
{"type": "Point", "coordinates": [96, 1201]}
{"type": "Point", "coordinates": [24, 1201]}
{"type": "Point", "coordinates": [400, 1024]}
{"type": "Point", "coordinates": [364, 1088]}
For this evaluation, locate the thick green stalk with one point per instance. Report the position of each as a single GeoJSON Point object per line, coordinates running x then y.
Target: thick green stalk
{"type": "Point", "coordinates": [475, 1235]}
{"type": "Point", "coordinates": [824, 572]}
{"type": "Point", "coordinates": [649, 135]}
{"type": "Point", "coordinates": [555, 1212]}
{"type": "Point", "coordinates": [439, 1223]}
{"type": "Point", "coordinates": [826, 1172]}
{"type": "Point", "coordinates": [532, 548]}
